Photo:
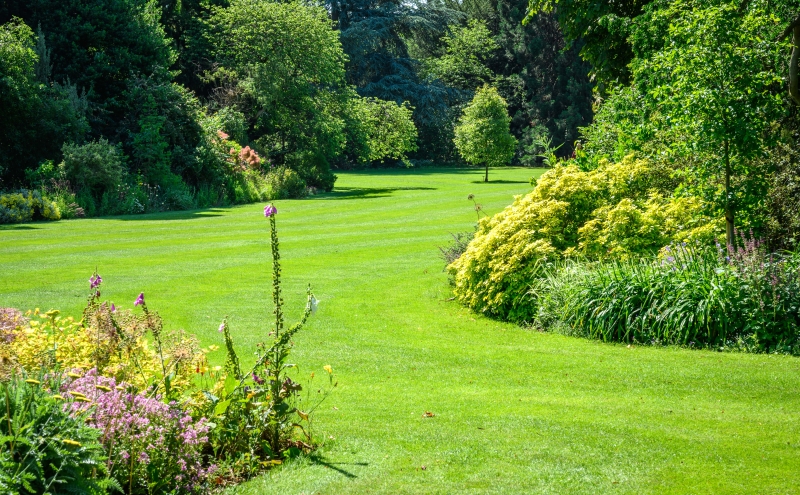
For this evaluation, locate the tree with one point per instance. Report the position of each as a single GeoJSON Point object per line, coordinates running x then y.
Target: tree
{"type": "Point", "coordinates": [36, 117]}
{"type": "Point", "coordinates": [603, 26]}
{"type": "Point", "coordinates": [482, 136]}
{"type": "Point", "coordinates": [379, 129]}
{"type": "Point", "coordinates": [543, 80]}
{"type": "Point", "coordinates": [289, 68]}
{"type": "Point", "coordinates": [463, 65]}
{"type": "Point", "coordinates": [715, 84]}
{"type": "Point", "coordinates": [377, 36]}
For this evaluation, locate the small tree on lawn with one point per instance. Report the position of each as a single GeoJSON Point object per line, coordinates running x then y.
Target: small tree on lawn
{"type": "Point", "coordinates": [482, 135]}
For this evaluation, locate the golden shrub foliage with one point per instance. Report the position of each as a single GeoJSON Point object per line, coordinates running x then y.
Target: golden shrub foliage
{"type": "Point", "coordinates": [616, 210]}
{"type": "Point", "coordinates": [114, 342]}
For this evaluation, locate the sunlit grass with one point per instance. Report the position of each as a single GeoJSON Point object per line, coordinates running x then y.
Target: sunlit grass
{"type": "Point", "coordinates": [515, 411]}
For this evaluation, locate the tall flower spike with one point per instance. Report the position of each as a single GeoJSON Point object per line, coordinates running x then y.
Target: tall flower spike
{"type": "Point", "coordinates": [270, 210]}
{"type": "Point", "coordinates": [139, 300]}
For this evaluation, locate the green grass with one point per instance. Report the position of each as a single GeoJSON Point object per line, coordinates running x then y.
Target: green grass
{"type": "Point", "coordinates": [516, 411]}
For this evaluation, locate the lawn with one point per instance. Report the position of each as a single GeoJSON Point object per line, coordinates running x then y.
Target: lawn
{"type": "Point", "coordinates": [514, 410]}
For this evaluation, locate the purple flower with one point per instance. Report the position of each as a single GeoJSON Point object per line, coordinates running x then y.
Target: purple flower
{"type": "Point", "coordinates": [270, 210]}
{"type": "Point", "coordinates": [258, 379]}
{"type": "Point", "coordinates": [221, 327]}
{"type": "Point", "coordinates": [95, 281]}
{"type": "Point", "coordinates": [139, 300]}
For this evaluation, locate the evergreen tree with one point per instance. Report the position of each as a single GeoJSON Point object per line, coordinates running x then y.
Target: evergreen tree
{"type": "Point", "coordinates": [543, 79]}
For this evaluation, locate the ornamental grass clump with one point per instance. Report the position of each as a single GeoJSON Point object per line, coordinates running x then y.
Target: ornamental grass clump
{"type": "Point", "coordinates": [740, 297]}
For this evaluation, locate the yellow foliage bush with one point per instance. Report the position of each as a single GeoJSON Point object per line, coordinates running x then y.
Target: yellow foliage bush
{"type": "Point", "coordinates": [616, 210]}
{"type": "Point", "coordinates": [112, 341]}
{"type": "Point", "coordinates": [24, 206]}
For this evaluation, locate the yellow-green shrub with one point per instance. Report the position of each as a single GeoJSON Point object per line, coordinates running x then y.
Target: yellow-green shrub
{"type": "Point", "coordinates": [616, 210]}
{"type": "Point", "coordinates": [24, 206]}
{"type": "Point", "coordinates": [113, 342]}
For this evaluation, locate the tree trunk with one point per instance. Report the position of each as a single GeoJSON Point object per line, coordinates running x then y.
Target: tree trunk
{"type": "Point", "coordinates": [794, 87]}
{"type": "Point", "coordinates": [728, 208]}
{"type": "Point", "coordinates": [486, 177]}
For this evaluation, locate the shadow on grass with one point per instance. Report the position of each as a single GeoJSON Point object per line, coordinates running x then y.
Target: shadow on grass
{"type": "Point", "coordinates": [317, 459]}
{"type": "Point", "coordinates": [172, 215]}
{"type": "Point", "coordinates": [501, 182]}
{"type": "Point", "coordinates": [366, 192]}
{"type": "Point", "coordinates": [18, 227]}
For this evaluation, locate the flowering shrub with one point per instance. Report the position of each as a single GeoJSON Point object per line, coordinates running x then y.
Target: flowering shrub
{"type": "Point", "coordinates": [152, 446]}
{"type": "Point", "coordinates": [615, 211]}
{"type": "Point", "coordinates": [156, 414]}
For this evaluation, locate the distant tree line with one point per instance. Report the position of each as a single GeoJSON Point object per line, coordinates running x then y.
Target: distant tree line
{"type": "Point", "coordinates": [158, 105]}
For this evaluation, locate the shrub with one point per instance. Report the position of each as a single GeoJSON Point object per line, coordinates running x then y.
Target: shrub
{"type": "Point", "coordinates": [25, 206]}
{"type": "Point", "coordinates": [109, 339]}
{"type": "Point", "coordinates": [616, 210]}
{"type": "Point", "coordinates": [44, 448]}
{"type": "Point", "coordinates": [96, 166]}
{"type": "Point", "coordinates": [313, 168]}
{"type": "Point", "coordinates": [285, 183]}
{"type": "Point", "coordinates": [691, 296]}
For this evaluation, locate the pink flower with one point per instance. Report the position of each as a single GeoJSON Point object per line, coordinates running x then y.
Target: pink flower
{"type": "Point", "coordinates": [221, 327]}
{"type": "Point", "coordinates": [139, 300]}
{"type": "Point", "coordinates": [270, 210]}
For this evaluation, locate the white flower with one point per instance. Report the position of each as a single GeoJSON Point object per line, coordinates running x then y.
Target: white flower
{"type": "Point", "coordinates": [314, 303]}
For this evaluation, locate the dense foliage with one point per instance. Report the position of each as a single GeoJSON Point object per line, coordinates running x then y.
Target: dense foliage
{"type": "Point", "coordinates": [616, 210]}
{"type": "Point", "coordinates": [739, 298]}
{"type": "Point", "coordinates": [133, 106]}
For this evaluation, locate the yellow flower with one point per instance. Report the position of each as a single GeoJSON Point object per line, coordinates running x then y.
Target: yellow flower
{"type": "Point", "coordinates": [103, 388]}
{"type": "Point", "coordinates": [52, 312]}
{"type": "Point", "coordinates": [217, 368]}
{"type": "Point", "coordinates": [77, 394]}
{"type": "Point", "coordinates": [73, 375]}
{"type": "Point", "coordinates": [58, 396]}
{"type": "Point", "coordinates": [213, 347]}
{"type": "Point", "coordinates": [36, 311]}
{"type": "Point", "coordinates": [119, 387]}
{"type": "Point", "coordinates": [82, 399]}
{"type": "Point", "coordinates": [71, 443]}
{"type": "Point", "coordinates": [33, 382]}
{"type": "Point", "coordinates": [328, 368]}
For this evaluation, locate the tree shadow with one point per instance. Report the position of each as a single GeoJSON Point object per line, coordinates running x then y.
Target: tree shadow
{"type": "Point", "coordinates": [18, 227]}
{"type": "Point", "coordinates": [501, 182]}
{"type": "Point", "coordinates": [366, 192]}
{"type": "Point", "coordinates": [318, 459]}
{"type": "Point", "coordinates": [172, 215]}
